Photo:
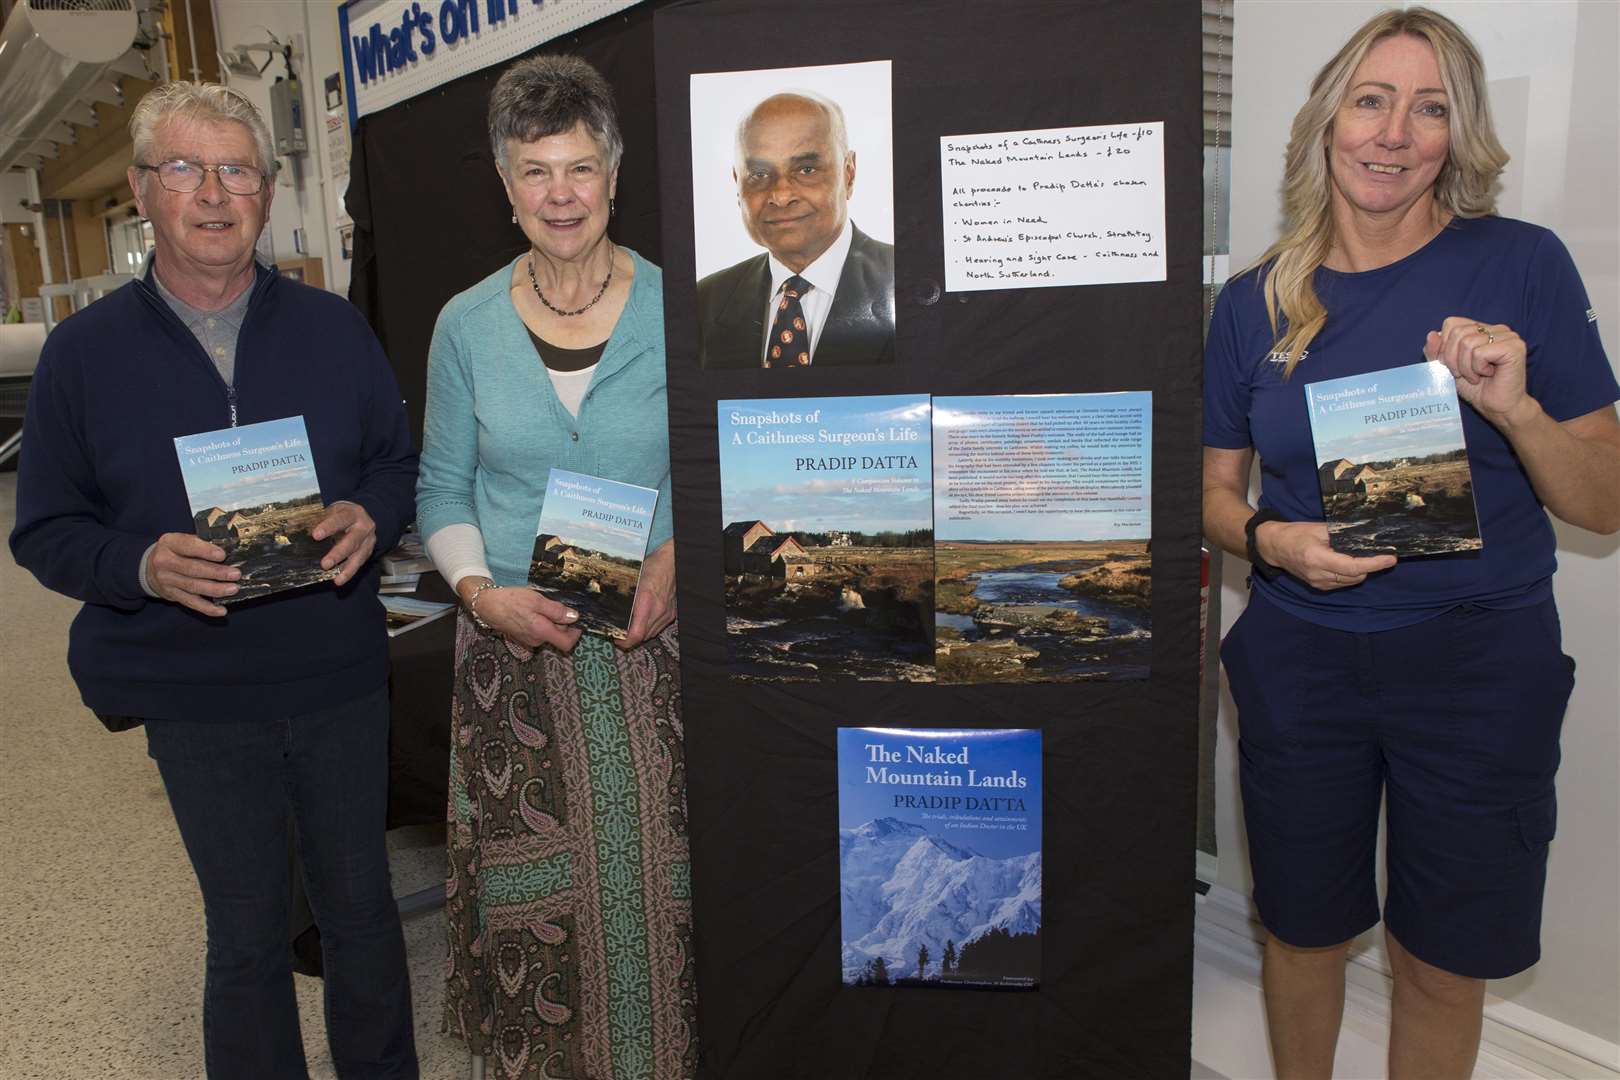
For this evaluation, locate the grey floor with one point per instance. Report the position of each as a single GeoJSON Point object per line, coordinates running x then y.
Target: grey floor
{"type": "Point", "coordinates": [101, 929]}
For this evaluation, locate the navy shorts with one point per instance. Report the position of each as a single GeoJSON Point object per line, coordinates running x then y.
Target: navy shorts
{"type": "Point", "coordinates": [1454, 722]}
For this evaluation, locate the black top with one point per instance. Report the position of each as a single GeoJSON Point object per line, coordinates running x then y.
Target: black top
{"type": "Point", "coordinates": [559, 359]}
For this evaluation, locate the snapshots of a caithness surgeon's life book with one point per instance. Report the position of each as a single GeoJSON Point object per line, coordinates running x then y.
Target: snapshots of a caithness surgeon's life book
{"type": "Point", "coordinates": [589, 546]}
{"type": "Point", "coordinates": [1392, 463]}
{"type": "Point", "coordinates": [253, 492]}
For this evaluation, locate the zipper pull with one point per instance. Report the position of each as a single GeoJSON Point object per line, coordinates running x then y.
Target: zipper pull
{"type": "Point", "coordinates": [230, 396]}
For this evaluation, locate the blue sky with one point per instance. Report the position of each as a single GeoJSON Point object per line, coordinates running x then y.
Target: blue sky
{"type": "Point", "coordinates": [990, 753]}
{"type": "Point", "coordinates": [1345, 432]}
{"type": "Point", "coordinates": [1042, 423]}
{"type": "Point", "coordinates": [563, 514]}
{"type": "Point", "coordinates": [777, 484]}
{"type": "Point", "coordinates": [211, 483]}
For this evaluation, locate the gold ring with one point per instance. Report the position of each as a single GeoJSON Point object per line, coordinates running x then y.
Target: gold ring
{"type": "Point", "coordinates": [1490, 337]}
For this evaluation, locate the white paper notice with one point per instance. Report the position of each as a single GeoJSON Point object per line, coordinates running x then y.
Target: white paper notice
{"type": "Point", "coordinates": [1064, 206]}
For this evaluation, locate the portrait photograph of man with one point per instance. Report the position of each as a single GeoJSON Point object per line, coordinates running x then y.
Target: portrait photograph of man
{"type": "Point", "coordinates": [793, 217]}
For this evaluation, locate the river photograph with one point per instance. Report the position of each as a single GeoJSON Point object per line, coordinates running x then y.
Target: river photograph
{"type": "Point", "coordinates": [1043, 611]}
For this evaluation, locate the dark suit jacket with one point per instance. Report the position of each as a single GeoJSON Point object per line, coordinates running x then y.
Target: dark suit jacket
{"type": "Point", "coordinates": [859, 328]}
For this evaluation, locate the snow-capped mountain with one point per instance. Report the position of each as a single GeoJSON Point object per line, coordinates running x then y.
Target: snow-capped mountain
{"type": "Point", "coordinates": [904, 887]}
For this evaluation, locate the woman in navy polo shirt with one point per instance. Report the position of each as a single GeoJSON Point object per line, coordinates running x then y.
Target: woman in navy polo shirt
{"type": "Point", "coordinates": [1438, 685]}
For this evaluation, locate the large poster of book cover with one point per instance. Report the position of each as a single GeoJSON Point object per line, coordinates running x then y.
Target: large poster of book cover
{"type": "Point", "coordinates": [254, 493]}
{"type": "Point", "coordinates": [1392, 464]}
{"type": "Point", "coordinates": [939, 857]}
{"type": "Point", "coordinates": [1043, 517]}
{"type": "Point", "coordinates": [589, 546]}
{"type": "Point", "coordinates": [828, 538]}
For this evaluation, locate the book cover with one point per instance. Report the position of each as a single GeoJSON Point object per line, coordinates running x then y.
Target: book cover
{"type": "Point", "coordinates": [939, 857]}
{"type": "Point", "coordinates": [589, 546]}
{"type": "Point", "coordinates": [828, 540]}
{"type": "Point", "coordinates": [407, 612]}
{"type": "Point", "coordinates": [1392, 463]}
{"type": "Point", "coordinates": [254, 493]}
{"type": "Point", "coordinates": [1043, 513]}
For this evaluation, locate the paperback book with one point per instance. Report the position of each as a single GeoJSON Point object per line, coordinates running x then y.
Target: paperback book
{"type": "Point", "coordinates": [254, 493]}
{"type": "Point", "coordinates": [939, 857]}
{"type": "Point", "coordinates": [1392, 463]}
{"type": "Point", "coordinates": [407, 557]}
{"type": "Point", "coordinates": [589, 547]}
{"type": "Point", "coordinates": [828, 538]}
{"type": "Point", "coordinates": [1043, 513]}
{"type": "Point", "coordinates": [407, 612]}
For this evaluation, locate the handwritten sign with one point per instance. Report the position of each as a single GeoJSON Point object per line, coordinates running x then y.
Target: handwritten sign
{"type": "Point", "coordinates": [1063, 206]}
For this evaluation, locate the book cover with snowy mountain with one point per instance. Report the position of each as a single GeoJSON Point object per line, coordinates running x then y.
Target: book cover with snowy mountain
{"type": "Point", "coordinates": [939, 857]}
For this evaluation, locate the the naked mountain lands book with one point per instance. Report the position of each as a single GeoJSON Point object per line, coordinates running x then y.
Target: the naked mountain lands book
{"type": "Point", "coordinates": [939, 857]}
{"type": "Point", "coordinates": [254, 493]}
{"type": "Point", "coordinates": [589, 546]}
{"type": "Point", "coordinates": [1392, 463]}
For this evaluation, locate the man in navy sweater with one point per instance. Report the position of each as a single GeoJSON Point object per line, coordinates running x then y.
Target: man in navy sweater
{"type": "Point", "coordinates": [277, 709]}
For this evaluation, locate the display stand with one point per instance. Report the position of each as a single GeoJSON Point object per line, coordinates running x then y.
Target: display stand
{"type": "Point", "coordinates": [1119, 757]}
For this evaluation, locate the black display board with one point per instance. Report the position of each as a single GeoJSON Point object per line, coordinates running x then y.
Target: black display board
{"type": "Point", "coordinates": [430, 217]}
{"type": "Point", "coordinates": [1115, 999]}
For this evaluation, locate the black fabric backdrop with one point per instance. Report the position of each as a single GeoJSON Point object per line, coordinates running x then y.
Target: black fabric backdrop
{"type": "Point", "coordinates": [430, 217]}
{"type": "Point", "coordinates": [1119, 765]}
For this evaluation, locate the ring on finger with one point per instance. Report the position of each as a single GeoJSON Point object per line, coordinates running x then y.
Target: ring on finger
{"type": "Point", "coordinates": [1490, 337]}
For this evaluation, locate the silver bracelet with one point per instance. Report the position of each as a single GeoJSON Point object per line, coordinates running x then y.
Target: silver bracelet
{"type": "Point", "coordinates": [472, 604]}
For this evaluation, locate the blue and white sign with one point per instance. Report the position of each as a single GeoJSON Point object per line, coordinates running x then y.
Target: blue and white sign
{"type": "Point", "coordinates": [396, 49]}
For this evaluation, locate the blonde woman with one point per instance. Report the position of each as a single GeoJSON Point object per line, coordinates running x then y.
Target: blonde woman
{"type": "Point", "coordinates": [1436, 686]}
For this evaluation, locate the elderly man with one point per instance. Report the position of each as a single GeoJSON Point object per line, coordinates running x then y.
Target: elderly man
{"type": "Point", "coordinates": [277, 709]}
{"type": "Point", "coordinates": [823, 291]}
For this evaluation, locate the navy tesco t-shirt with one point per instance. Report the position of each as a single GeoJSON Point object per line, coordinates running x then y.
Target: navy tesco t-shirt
{"type": "Point", "coordinates": [1491, 269]}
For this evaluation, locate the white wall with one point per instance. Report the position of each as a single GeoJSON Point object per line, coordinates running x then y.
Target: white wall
{"type": "Point", "coordinates": [315, 209]}
{"type": "Point", "coordinates": [1556, 100]}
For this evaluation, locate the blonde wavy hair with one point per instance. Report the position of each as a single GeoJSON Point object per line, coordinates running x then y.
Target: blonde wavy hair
{"type": "Point", "coordinates": [1464, 186]}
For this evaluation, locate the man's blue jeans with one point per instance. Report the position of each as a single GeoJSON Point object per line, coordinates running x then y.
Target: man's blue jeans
{"type": "Point", "coordinates": [234, 785]}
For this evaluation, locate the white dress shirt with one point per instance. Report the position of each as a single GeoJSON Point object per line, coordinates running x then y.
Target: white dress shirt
{"type": "Point", "coordinates": [823, 275]}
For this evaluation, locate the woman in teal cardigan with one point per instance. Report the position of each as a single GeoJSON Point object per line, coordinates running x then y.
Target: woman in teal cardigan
{"type": "Point", "coordinates": [569, 917]}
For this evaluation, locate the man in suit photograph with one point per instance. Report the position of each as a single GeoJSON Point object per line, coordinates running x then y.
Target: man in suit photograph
{"type": "Point", "coordinates": [822, 292]}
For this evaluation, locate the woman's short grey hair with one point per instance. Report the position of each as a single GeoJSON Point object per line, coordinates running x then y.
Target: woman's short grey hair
{"type": "Point", "coordinates": [197, 101]}
{"type": "Point", "coordinates": [549, 95]}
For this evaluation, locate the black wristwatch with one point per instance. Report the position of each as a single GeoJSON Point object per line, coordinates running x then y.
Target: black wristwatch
{"type": "Point", "coordinates": [1261, 567]}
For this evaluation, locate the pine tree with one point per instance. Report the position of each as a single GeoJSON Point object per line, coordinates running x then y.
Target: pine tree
{"type": "Point", "coordinates": [922, 962]}
{"type": "Point", "coordinates": [880, 971]}
{"type": "Point", "coordinates": [949, 961]}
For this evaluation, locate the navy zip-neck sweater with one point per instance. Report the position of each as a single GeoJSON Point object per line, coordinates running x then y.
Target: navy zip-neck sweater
{"type": "Point", "coordinates": [99, 481]}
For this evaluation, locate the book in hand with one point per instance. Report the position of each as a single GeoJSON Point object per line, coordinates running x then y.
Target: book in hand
{"type": "Point", "coordinates": [589, 546]}
{"type": "Point", "coordinates": [1392, 463]}
{"type": "Point", "coordinates": [939, 857]}
{"type": "Point", "coordinates": [254, 493]}
{"type": "Point", "coordinates": [406, 613]}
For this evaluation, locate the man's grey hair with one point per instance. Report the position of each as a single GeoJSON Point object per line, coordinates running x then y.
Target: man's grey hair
{"type": "Point", "coordinates": [835, 120]}
{"type": "Point", "coordinates": [549, 95]}
{"type": "Point", "coordinates": [197, 102]}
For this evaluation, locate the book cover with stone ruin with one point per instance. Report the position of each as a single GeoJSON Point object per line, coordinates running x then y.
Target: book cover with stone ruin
{"type": "Point", "coordinates": [828, 540]}
{"type": "Point", "coordinates": [254, 493]}
{"type": "Point", "coordinates": [1392, 462]}
{"type": "Point", "coordinates": [589, 546]}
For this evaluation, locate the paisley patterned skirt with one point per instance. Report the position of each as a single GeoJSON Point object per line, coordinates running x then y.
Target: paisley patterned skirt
{"type": "Point", "coordinates": [568, 898]}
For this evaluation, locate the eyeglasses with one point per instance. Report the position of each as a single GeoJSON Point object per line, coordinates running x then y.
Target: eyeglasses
{"type": "Point", "coordinates": [186, 176]}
